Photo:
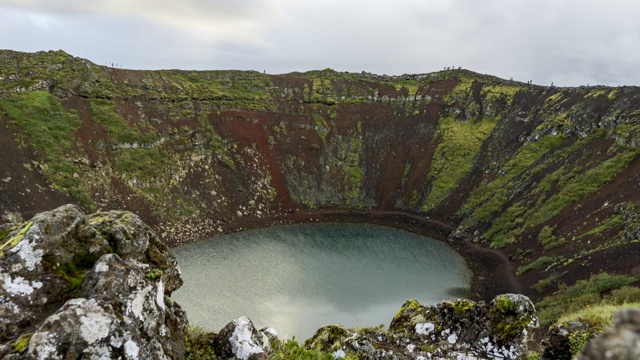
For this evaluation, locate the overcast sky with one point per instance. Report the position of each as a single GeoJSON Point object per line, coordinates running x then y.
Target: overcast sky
{"type": "Point", "coordinates": [568, 42]}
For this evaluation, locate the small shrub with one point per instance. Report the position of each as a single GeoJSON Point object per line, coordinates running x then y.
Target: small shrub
{"type": "Point", "coordinates": [548, 240]}
{"type": "Point", "coordinates": [154, 274]}
{"type": "Point", "coordinates": [546, 283]}
{"type": "Point", "coordinates": [541, 261]}
{"type": "Point", "coordinates": [198, 344]}
{"type": "Point", "coordinates": [625, 294]}
{"type": "Point", "coordinates": [291, 349]}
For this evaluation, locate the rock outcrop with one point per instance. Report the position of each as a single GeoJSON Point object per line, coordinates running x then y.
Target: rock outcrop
{"type": "Point", "coordinates": [95, 286]}
{"type": "Point", "coordinates": [239, 339]}
{"type": "Point", "coordinates": [447, 330]}
{"type": "Point", "coordinates": [564, 340]}
{"type": "Point", "coordinates": [622, 342]}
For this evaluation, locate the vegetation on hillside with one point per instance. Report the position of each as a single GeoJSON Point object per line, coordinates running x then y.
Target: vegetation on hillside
{"type": "Point", "coordinates": [548, 175]}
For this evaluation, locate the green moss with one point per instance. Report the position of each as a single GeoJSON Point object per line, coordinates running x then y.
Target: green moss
{"type": "Point", "coordinates": [462, 306]}
{"type": "Point", "coordinates": [489, 198]}
{"type": "Point", "coordinates": [405, 173]}
{"type": "Point", "coordinates": [460, 142]}
{"type": "Point", "coordinates": [415, 198]}
{"type": "Point", "coordinates": [534, 355]}
{"type": "Point", "coordinates": [22, 343]}
{"type": "Point", "coordinates": [428, 348]}
{"type": "Point", "coordinates": [154, 274]}
{"type": "Point", "coordinates": [74, 271]}
{"type": "Point", "coordinates": [580, 187]}
{"type": "Point", "coordinates": [504, 304]}
{"type": "Point", "coordinates": [578, 339]}
{"type": "Point", "coordinates": [321, 127]}
{"type": "Point", "coordinates": [548, 240]}
{"type": "Point", "coordinates": [499, 96]}
{"type": "Point", "coordinates": [4, 231]}
{"type": "Point", "coordinates": [9, 244]}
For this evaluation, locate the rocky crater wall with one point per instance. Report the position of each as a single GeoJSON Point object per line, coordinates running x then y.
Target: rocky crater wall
{"type": "Point", "coordinates": [548, 176]}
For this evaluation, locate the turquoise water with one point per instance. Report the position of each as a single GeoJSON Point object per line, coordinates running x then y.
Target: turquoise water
{"type": "Point", "coordinates": [297, 278]}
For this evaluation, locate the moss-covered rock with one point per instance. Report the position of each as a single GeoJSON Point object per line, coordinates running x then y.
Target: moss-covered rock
{"type": "Point", "coordinates": [103, 262]}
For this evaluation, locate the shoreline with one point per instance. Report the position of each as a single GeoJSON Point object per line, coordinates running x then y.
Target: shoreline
{"type": "Point", "coordinates": [492, 273]}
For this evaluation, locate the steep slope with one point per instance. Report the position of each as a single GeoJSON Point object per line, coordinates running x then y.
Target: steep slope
{"type": "Point", "coordinates": [548, 175]}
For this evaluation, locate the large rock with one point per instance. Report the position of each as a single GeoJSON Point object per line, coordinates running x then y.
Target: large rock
{"type": "Point", "coordinates": [450, 329]}
{"type": "Point", "coordinates": [239, 339]}
{"type": "Point", "coordinates": [622, 342]}
{"type": "Point", "coordinates": [564, 340]}
{"type": "Point", "coordinates": [96, 286]}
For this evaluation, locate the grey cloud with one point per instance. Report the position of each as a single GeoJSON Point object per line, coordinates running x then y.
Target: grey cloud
{"type": "Point", "coordinates": [569, 42]}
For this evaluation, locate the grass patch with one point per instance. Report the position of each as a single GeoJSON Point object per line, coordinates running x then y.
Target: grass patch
{"type": "Point", "coordinates": [460, 142]}
{"type": "Point", "coordinates": [546, 283]}
{"type": "Point", "coordinates": [119, 130]}
{"type": "Point", "coordinates": [141, 163]}
{"type": "Point", "coordinates": [548, 240]}
{"type": "Point", "coordinates": [52, 132]}
{"type": "Point", "coordinates": [611, 222]}
{"type": "Point", "coordinates": [581, 186]}
{"type": "Point", "coordinates": [504, 229]}
{"type": "Point", "coordinates": [198, 344]}
{"type": "Point", "coordinates": [321, 127]}
{"type": "Point", "coordinates": [489, 198]}
{"type": "Point", "coordinates": [353, 175]}
{"type": "Point", "coordinates": [600, 316]}
{"type": "Point", "coordinates": [291, 349]}
{"type": "Point", "coordinates": [589, 292]}
{"type": "Point", "coordinates": [538, 263]}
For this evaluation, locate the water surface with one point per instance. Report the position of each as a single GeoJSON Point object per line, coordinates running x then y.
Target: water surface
{"type": "Point", "coordinates": [297, 278]}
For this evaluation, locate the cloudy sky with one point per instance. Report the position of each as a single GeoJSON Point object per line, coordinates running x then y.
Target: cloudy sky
{"type": "Point", "coordinates": [568, 42]}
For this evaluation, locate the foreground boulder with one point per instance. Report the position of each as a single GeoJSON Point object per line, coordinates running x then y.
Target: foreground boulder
{"type": "Point", "coordinates": [97, 286]}
{"type": "Point", "coordinates": [447, 330]}
{"type": "Point", "coordinates": [622, 342]}
{"type": "Point", "coordinates": [564, 340]}
{"type": "Point", "coordinates": [239, 339]}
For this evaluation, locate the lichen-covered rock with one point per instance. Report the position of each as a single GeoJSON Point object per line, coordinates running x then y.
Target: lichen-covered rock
{"type": "Point", "coordinates": [135, 242]}
{"type": "Point", "coordinates": [73, 285]}
{"type": "Point", "coordinates": [122, 312]}
{"type": "Point", "coordinates": [564, 340]}
{"type": "Point", "coordinates": [41, 263]}
{"type": "Point", "coordinates": [622, 342]}
{"type": "Point", "coordinates": [328, 338]}
{"type": "Point", "coordinates": [240, 340]}
{"type": "Point", "coordinates": [448, 330]}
